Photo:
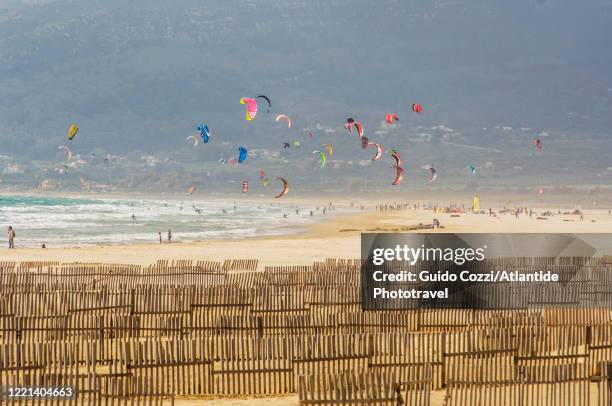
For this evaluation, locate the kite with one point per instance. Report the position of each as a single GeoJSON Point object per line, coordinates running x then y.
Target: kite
{"type": "Point", "coordinates": [330, 149]}
{"type": "Point", "coordinates": [68, 152]}
{"type": "Point", "coordinates": [296, 143]}
{"type": "Point", "coordinates": [191, 190]}
{"type": "Point", "coordinates": [267, 99]}
{"type": "Point", "coordinates": [204, 132]}
{"type": "Point", "coordinates": [262, 175]}
{"type": "Point", "coordinates": [223, 161]}
{"type": "Point", "coordinates": [242, 154]}
{"type": "Point", "coordinates": [417, 108]}
{"type": "Point", "coordinates": [391, 118]}
{"type": "Point", "coordinates": [233, 161]}
{"type": "Point", "coordinates": [349, 124]}
{"type": "Point", "coordinates": [359, 128]}
{"type": "Point", "coordinates": [379, 150]}
{"type": "Point", "coordinates": [396, 156]}
{"type": "Point", "coordinates": [310, 134]}
{"type": "Point", "coordinates": [194, 139]}
{"type": "Point", "coordinates": [286, 145]}
{"type": "Point", "coordinates": [473, 169]}
{"type": "Point", "coordinates": [72, 131]}
{"type": "Point", "coordinates": [322, 157]}
{"type": "Point", "coordinates": [266, 182]}
{"type": "Point", "coordinates": [433, 174]}
{"type": "Point", "coordinates": [538, 143]}
{"type": "Point", "coordinates": [285, 188]}
{"type": "Point", "coordinates": [282, 116]}
{"type": "Point", "coordinates": [476, 205]}
{"type": "Point", "coordinates": [398, 176]}
{"type": "Point", "coordinates": [245, 186]}
{"type": "Point", "coordinates": [251, 106]}
{"type": "Point", "coordinates": [364, 142]}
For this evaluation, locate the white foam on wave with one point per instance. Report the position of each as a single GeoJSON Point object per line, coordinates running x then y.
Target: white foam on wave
{"type": "Point", "coordinates": [67, 222]}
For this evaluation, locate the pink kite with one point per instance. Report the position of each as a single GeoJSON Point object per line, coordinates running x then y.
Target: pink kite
{"type": "Point", "coordinates": [350, 123]}
{"type": "Point", "coordinates": [390, 118]}
{"type": "Point", "coordinates": [379, 150]}
{"type": "Point", "coordinates": [251, 105]}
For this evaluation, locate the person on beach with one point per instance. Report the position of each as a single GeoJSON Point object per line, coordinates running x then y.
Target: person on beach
{"type": "Point", "coordinates": [160, 237]}
{"type": "Point", "coordinates": [169, 235]}
{"type": "Point", "coordinates": [11, 237]}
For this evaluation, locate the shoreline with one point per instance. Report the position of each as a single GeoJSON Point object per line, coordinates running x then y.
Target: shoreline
{"type": "Point", "coordinates": [492, 198]}
{"type": "Point", "coordinates": [337, 236]}
{"type": "Point", "coordinates": [262, 219]}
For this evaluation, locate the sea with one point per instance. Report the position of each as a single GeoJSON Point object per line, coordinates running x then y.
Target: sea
{"type": "Point", "coordinates": [64, 221]}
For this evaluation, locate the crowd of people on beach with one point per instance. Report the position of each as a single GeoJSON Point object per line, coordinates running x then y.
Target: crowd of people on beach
{"type": "Point", "coordinates": [393, 207]}
{"type": "Point", "coordinates": [388, 207]}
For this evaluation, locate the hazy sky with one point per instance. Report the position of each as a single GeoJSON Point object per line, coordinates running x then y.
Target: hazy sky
{"type": "Point", "coordinates": [138, 75]}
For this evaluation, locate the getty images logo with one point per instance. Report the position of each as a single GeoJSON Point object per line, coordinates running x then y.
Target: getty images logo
{"type": "Point", "coordinates": [412, 255]}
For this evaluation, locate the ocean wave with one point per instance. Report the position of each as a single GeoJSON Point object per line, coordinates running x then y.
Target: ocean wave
{"type": "Point", "coordinates": [58, 221]}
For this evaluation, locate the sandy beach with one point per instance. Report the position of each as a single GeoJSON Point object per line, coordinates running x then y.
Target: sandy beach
{"type": "Point", "coordinates": [265, 204]}
{"type": "Point", "coordinates": [336, 236]}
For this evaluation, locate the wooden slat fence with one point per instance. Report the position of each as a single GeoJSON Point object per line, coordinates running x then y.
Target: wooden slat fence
{"type": "Point", "coordinates": [183, 328]}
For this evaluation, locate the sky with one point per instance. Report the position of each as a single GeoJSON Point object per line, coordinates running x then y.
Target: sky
{"type": "Point", "coordinates": [138, 76]}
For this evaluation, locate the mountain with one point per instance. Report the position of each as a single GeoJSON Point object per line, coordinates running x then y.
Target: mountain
{"type": "Point", "coordinates": [137, 76]}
